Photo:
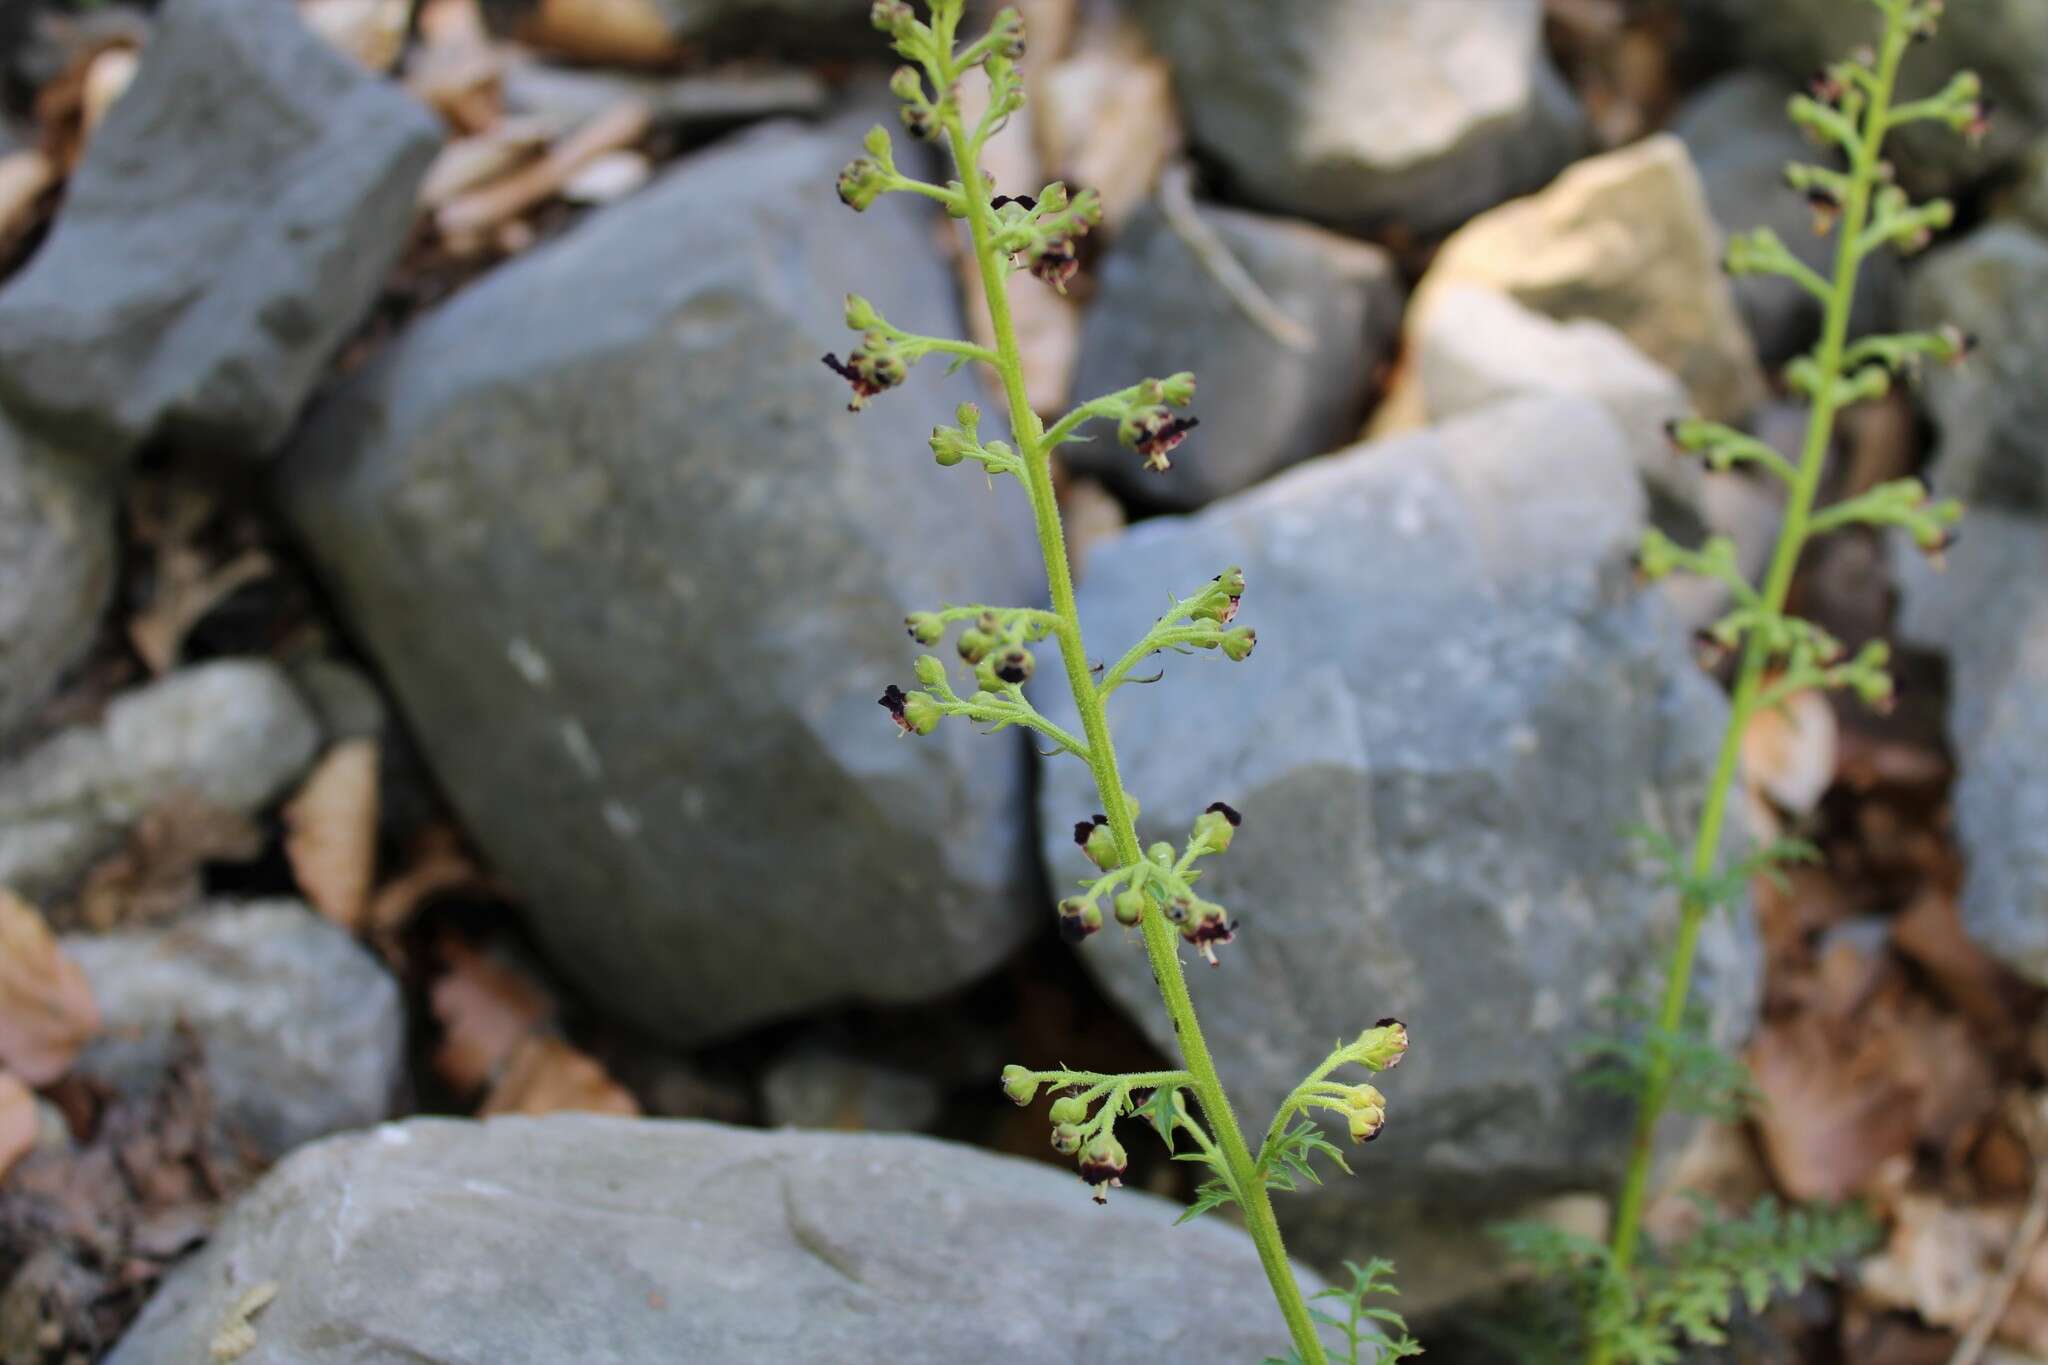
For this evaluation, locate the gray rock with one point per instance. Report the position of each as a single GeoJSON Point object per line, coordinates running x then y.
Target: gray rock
{"type": "Point", "coordinates": [231, 221]}
{"type": "Point", "coordinates": [1992, 411]}
{"type": "Point", "coordinates": [632, 1241]}
{"type": "Point", "coordinates": [232, 733]}
{"type": "Point", "coordinates": [1478, 347]}
{"type": "Point", "coordinates": [813, 1088]}
{"type": "Point", "coordinates": [636, 578]}
{"type": "Point", "coordinates": [1624, 238]}
{"type": "Point", "coordinates": [1262, 404]}
{"type": "Point", "coordinates": [2004, 41]}
{"type": "Point", "coordinates": [1740, 141]}
{"type": "Point", "coordinates": [301, 1029]}
{"type": "Point", "coordinates": [1365, 113]}
{"type": "Point", "coordinates": [1989, 610]}
{"type": "Point", "coordinates": [569, 95]}
{"type": "Point", "coordinates": [57, 549]}
{"type": "Point", "coordinates": [1458, 703]}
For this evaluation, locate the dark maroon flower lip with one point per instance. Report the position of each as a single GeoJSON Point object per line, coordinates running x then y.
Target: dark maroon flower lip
{"type": "Point", "coordinates": [1226, 811]}
{"type": "Point", "coordinates": [1084, 828]}
{"type": "Point", "coordinates": [894, 701]}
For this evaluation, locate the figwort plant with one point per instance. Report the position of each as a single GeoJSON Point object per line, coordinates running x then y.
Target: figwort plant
{"type": "Point", "coordinates": [1149, 889]}
{"type": "Point", "coordinates": [1634, 1306]}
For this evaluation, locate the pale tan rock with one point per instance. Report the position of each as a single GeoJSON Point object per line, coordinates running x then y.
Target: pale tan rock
{"type": "Point", "coordinates": [1625, 239]}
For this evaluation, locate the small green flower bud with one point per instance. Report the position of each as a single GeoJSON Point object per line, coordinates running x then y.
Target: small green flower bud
{"type": "Point", "coordinates": [926, 628]}
{"type": "Point", "coordinates": [1103, 1164]}
{"type": "Point", "coordinates": [1382, 1046]}
{"type": "Point", "coordinates": [1014, 665]}
{"type": "Point", "coordinates": [1079, 917]}
{"type": "Point", "coordinates": [984, 699]}
{"type": "Point", "coordinates": [1209, 632]}
{"type": "Point", "coordinates": [929, 670]}
{"type": "Point", "coordinates": [1367, 1109]}
{"type": "Point", "coordinates": [1131, 805]}
{"type": "Point", "coordinates": [968, 415]}
{"type": "Point", "coordinates": [1130, 908]}
{"type": "Point", "coordinates": [1238, 644]}
{"type": "Point", "coordinates": [921, 714]}
{"type": "Point", "coordinates": [860, 314]}
{"type": "Point", "coordinates": [1161, 853]}
{"type": "Point", "coordinates": [975, 643]}
{"type": "Point", "coordinates": [861, 183]}
{"type": "Point", "coordinates": [891, 15]}
{"type": "Point", "coordinates": [985, 678]}
{"type": "Point", "coordinates": [1068, 1109]}
{"type": "Point", "coordinates": [1020, 1085]}
{"type": "Point", "coordinates": [1066, 1139]}
{"type": "Point", "coordinates": [1008, 31]}
{"type": "Point", "coordinates": [1178, 390]}
{"type": "Point", "coordinates": [879, 145]}
{"type": "Point", "coordinates": [1097, 841]}
{"type": "Point", "coordinates": [950, 446]}
{"type": "Point", "coordinates": [906, 84]}
{"type": "Point", "coordinates": [1216, 825]}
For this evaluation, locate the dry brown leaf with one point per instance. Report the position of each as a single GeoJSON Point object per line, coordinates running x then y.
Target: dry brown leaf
{"type": "Point", "coordinates": [475, 215]}
{"type": "Point", "coordinates": [156, 874]}
{"type": "Point", "coordinates": [188, 589]}
{"type": "Point", "coordinates": [486, 1010]}
{"type": "Point", "coordinates": [1939, 1260]}
{"type": "Point", "coordinates": [46, 1007]}
{"type": "Point", "coordinates": [18, 1122]}
{"type": "Point", "coordinates": [1831, 1112]}
{"type": "Point", "coordinates": [331, 833]}
{"type": "Point", "coordinates": [1930, 932]}
{"type": "Point", "coordinates": [623, 32]}
{"type": "Point", "coordinates": [469, 162]}
{"type": "Point", "coordinates": [548, 1076]}
{"type": "Point", "coordinates": [1788, 752]}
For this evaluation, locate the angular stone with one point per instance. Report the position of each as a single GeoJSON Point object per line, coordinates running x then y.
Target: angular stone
{"type": "Point", "coordinates": [1416, 112]}
{"type": "Point", "coordinates": [1989, 610]}
{"type": "Point", "coordinates": [301, 1029]}
{"type": "Point", "coordinates": [1263, 404]}
{"type": "Point", "coordinates": [231, 221]}
{"type": "Point", "coordinates": [1740, 140]}
{"type": "Point", "coordinates": [1459, 702]}
{"type": "Point", "coordinates": [1991, 411]}
{"type": "Point", "coordinates": [637, 579]}
{"type": "Point", "coordinates": [56, 568]}
{"type": "Point", "coordinates": [814, 1088]}
{"type": "Point", "coordinates": [636, 1242]}
{"type": "Point", "coordinates": [2005, 43]}
{"type": "Point", "coordinates": [1624, 239]}
{"type": "Point", "coordinates": [233, 733]}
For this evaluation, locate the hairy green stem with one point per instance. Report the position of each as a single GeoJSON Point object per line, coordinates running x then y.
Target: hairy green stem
{"type": "Point", "coordinates": [1160, 937]}
{"type": "Point", "coordinates": [1792, 538]}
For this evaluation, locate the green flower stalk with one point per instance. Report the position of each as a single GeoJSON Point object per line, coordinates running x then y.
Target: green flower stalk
{"type": "Point", "coordinates": [1151, 889]}
{"type": "Point", "coordinates": [1850, 110]}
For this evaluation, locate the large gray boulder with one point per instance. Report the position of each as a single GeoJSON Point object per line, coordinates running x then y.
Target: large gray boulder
{"type": "Point", "coordinates": [1366, 114]}
{"type": "Point", "coordinates": [56, 568]}
{"type": "Point", "coordinates": [2003, 41]}
{"type": "Point", "coordinates": [301, 1029]}
{"type": "Point", "coordinates": [233, 734]}
{"type": "Point", "coordinates": [1264, 404]}
{"type": "Point", "coordinates": [232, 220]}
{"type": "Point", "coordinates": [535, 1241]}
{"type": "Point", "coordinates": [1740, 141]}
{"type": "Point", "coordinates": [1988, 608]}
{"type": "Point", "coordinates": [637, 578]}
{"type": "Point", "coordinates": [1458, 703]}
{"type": "Point", "coordinates": [1991, 412]}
